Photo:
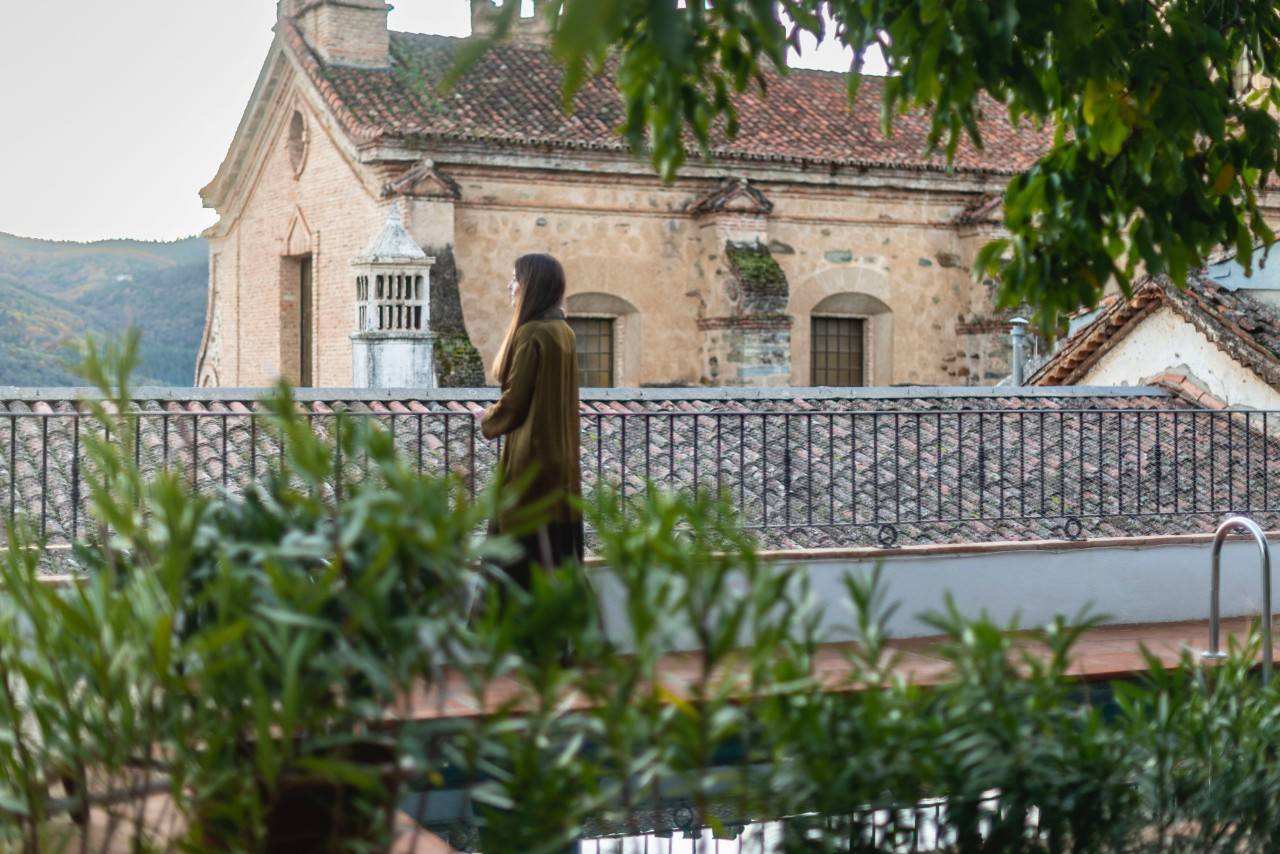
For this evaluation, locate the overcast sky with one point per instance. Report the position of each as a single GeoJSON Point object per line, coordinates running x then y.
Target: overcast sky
{"type": "Point", "coordinates": [113, 113]}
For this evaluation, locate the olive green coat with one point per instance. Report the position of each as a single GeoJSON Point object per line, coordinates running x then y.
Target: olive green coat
{"type": "Point", "coordinates": [538, 416]}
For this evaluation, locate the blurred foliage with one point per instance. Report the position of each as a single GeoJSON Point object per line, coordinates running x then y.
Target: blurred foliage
{"type": "Point", "coordinates": [247, 663]}
{"type": "Point", "coordinates": [1159, 145]}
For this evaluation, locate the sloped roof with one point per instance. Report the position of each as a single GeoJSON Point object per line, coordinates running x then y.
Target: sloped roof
{"type": "Point", "coordinates": [1244, 328]}
{"type": "Point", "coordinates": [513, 96]}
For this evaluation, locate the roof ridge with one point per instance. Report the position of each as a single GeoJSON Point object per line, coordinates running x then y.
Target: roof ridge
{"type": "Point", "coordinates": [513, 98]}
{"type": "Point", "coordinates": [532, 46]}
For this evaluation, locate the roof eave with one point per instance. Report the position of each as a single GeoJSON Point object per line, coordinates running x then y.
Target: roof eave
{"type": "Point", "coordinates": [1125, 315]}
{"type": "Point", "coordinates": [381, 144]}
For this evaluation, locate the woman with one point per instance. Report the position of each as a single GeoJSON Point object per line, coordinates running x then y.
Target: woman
{"type": "Point", "coordinates": [537, 414]}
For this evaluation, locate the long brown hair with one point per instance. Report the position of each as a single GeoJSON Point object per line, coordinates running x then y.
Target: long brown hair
{"type": "Point", "coordinates": [541, 281]}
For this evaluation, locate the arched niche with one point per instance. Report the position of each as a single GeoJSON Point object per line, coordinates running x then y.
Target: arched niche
{"type": "Point", "coordinates": [858, 293]}
{"type": "Point", "coordinates": [624, 319]}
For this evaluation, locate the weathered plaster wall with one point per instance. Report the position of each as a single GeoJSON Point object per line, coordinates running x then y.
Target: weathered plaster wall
{"type": "Point", "coordinates": [619, 237]}
{"type": "Point", "coordinates": [1164, 341]}
{"type": "Point", "coordinates": [897, 247]}
{"type": "Point", "coordinates": [632, 239]}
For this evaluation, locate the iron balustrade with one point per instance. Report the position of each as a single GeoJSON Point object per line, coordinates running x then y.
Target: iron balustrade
{"type": "Point", "coordinates": [827, 477]}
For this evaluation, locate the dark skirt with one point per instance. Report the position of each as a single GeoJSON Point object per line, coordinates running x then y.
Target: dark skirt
{"type": "Point", "coordinates": [550, 547]}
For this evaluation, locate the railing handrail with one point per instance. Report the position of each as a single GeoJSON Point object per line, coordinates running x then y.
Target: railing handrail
{"type": "Point", "coordinates": [1254, 531]}
{"type": "Point", "coordinates": [614, 394]}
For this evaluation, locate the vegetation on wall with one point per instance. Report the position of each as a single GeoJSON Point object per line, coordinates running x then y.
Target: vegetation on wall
{"type": "Point", "coordinates": [756, 268]}
{"type": "Point", "coordinates": [763, 282]}
{"type": "Point", "coordinates": [458, 362]}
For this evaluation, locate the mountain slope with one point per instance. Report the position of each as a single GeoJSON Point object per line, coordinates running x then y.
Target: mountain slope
{"type": "Point", "coordinates": [53, 293]}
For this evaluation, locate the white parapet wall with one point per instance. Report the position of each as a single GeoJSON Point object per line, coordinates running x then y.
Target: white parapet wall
{"type": "Point", "coordinates": [1162, 580]}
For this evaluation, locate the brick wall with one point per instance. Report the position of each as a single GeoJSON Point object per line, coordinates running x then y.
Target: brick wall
{"type": "Point", "coordinates": [332, 214]}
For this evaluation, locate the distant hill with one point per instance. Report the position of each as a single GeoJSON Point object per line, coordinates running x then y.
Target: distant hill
{"type": "Point", "coordinates": [53, 293]}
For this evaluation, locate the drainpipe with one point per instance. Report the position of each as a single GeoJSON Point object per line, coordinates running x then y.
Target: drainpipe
{"type": "Point", "coordinates": [1019, 335]}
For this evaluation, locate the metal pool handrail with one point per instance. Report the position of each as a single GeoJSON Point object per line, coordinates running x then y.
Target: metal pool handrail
{"type": "Point", "coordinates": [1250, 527]}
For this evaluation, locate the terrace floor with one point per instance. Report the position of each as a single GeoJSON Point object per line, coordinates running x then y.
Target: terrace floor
{"type": "Point", "coordinates": [1103, 653]}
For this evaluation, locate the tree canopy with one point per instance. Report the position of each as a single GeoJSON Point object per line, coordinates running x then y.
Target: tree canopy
{"type": "Point", "coordinates": [1163, 126]}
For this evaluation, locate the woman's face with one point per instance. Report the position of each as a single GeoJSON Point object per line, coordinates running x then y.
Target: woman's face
{"type": "Point", "coordinates": [513, 287]}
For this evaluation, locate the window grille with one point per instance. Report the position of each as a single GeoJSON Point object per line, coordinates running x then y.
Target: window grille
{"type": "Point", "coordinates": [595, 350]}
{"type": "Point", "coordinates": [836, 351]}
{"type": "Point", "coordinates": [395, 304]}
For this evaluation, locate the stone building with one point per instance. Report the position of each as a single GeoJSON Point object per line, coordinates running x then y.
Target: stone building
{"type": "Point", "coordinates": [810, 249]}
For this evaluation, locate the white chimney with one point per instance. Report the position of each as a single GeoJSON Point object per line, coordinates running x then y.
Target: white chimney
{"type": "Point", "coordinates": [392, 346]}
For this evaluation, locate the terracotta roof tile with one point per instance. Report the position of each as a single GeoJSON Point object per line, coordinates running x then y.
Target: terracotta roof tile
{"type": "Point", "coordinates": [512, 96]}
{"type": "Point", "coordinates": [828, 475]}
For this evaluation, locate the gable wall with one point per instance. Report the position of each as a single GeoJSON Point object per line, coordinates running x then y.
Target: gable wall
{"type": "Point", "coordinates": [340, 215]}
{"type": "Point", "coordinates": [1166, 342]}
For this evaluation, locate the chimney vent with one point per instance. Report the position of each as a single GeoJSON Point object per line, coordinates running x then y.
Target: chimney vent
{"type": "Point", "coordinates": [343, 32]}
{"type": "Point", "coordinates": [532, 29]}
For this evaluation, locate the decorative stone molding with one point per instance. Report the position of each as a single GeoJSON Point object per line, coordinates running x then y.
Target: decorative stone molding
{"type": "Point", "coordinates": [298, 142]}
{"type": "Point", "coordinates": [423, 181]}
{"type": "Point", "coordinates": [734, 195]}
{"type": "Point", "coordinates": [745, 322]}
{"type": "Point", "coordinates": [298, 239]}
{"type": "Point", "coordinates": [535, 29]}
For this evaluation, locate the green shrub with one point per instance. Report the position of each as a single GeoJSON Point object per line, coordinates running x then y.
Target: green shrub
{"type": "Point", "coordinates": [245, 654]}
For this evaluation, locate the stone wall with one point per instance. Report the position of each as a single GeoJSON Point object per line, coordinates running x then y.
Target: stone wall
{"type": "Point", "coordinates": [751, 345]}
{"type": "Point", "coordinates": [621, 235]}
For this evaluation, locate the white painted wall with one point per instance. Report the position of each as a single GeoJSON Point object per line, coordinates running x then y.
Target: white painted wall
{"type": "Point", "coordinates": [1166, 342]}
{"type": "Point", "coordinates": [1131, 584]}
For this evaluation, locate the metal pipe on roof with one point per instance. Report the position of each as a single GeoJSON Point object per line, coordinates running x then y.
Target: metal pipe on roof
{"type": "Point", "coordinates": [1019, 358]}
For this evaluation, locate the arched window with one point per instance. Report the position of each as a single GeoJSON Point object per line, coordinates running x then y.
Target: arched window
{"type": "Point", "coordinates": [845, 331]}
{"type": "Point", "coordinates": [608, 336]}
